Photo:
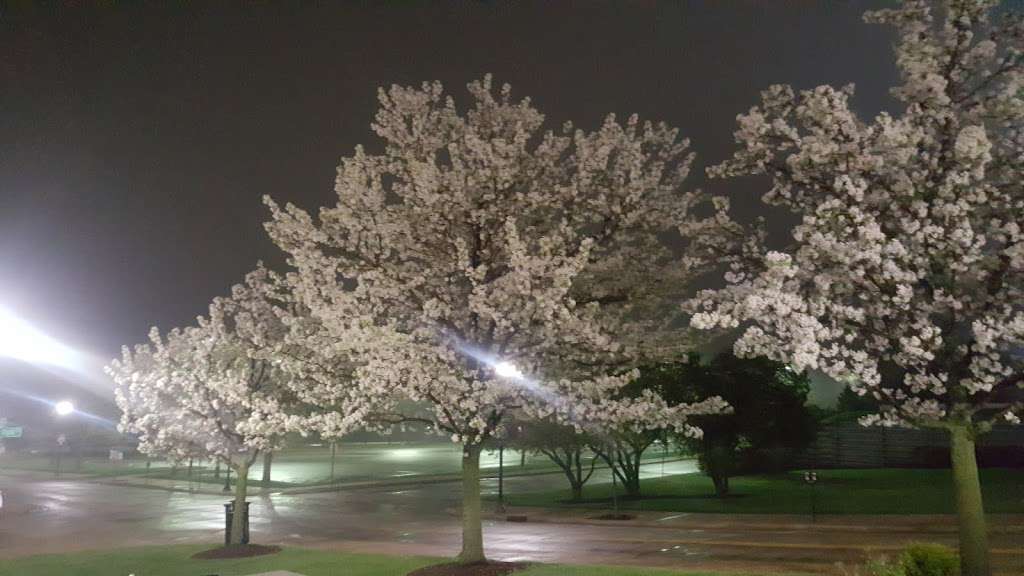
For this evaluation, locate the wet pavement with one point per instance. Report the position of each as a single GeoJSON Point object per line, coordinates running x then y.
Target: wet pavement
{"type": "Point", "coordinates": [43, 514]}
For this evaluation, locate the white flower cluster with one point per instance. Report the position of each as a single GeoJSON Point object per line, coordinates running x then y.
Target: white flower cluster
{"type": "Point", "coordinates": [209, 390]}
{"type": "Point", "coordinates": [476, 238]}
{"type": "Point", "coordinates": [905, 274]}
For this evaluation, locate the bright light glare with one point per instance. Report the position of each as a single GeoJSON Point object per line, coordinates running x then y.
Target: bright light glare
{"type": "Point", "coordinates": [507, 370]}
{"type": "Point", "coordinates": [63, 408]}
{"type": "Point", "coordinates": [405, 453]}
{"type": "Point", "coordinates": [21, 341]}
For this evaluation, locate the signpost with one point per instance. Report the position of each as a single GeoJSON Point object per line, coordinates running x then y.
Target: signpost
{"type": "Point", "coordinates": [11, 432]}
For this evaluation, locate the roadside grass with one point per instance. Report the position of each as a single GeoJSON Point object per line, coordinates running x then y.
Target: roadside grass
{"type": "Point", "coordinates": [177, 561]}
{"type": "Point", "coordinates": [869, 491]}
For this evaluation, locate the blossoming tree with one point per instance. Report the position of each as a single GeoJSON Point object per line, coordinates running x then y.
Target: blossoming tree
{"type": "Point", "coordinates": [204, 391]}
{"type": "Point", "coordinates": [905, 272]}
{"type": "Point", "coordinates": [478, 267]}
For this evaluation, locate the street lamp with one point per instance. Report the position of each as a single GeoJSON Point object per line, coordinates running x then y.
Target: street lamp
{"type": "Point", "coordinates": [62, 408]}
{"type": "Point", "coordinates": [507, 370]}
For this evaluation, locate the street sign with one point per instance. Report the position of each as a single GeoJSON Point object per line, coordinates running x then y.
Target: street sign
{"type": "Point", "coordinates": [10, 432]}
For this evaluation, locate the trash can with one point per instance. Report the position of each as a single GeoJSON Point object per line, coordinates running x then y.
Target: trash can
{"type": "Point", "coordinates": [229, 516]}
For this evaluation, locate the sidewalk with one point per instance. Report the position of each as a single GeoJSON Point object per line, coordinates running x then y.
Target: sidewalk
{"type": "Point", "coordinates": [918, 523]}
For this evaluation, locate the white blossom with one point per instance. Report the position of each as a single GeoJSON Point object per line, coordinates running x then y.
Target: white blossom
{"type": "Point", "coordinates": [476, 238]}
{"type": "Point", "coordinates": [904, 276]}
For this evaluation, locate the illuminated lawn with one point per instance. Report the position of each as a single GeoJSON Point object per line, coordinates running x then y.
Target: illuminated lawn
{"type": "Point", "coordinates": [90, 466]}
{"type": "Point", "coordinates": [311, 465]}
{"type": "Point", "coordinates": [176, 561]}
{"type": "Point", "coordinates": [877, 491]}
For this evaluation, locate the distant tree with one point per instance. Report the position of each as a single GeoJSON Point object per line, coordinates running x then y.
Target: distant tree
{"type": "Point", "coordinates": [905, 276]}
{"type": "Point", "coordinates": [562, 444]}
{"type": "Point", "coordinates": [623, 451]}
{"type": "Point", "coordinates": [622, 448]}
{"type": "Point", "coordinates": [849, 402]}
{"type": "Point", "coordinates": [210, 391]}
{"type": "Point", "coordinates": [769, 416]}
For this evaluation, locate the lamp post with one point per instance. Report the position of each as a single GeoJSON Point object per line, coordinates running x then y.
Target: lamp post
{"type": "Point", "coordinates": [62, 409]}
{"type": "Point", "coordinates": [811, 478]}
{"type": "Point", "coordinates": [501, 477]}
{"type": "Point", "coordinates": [334, 450]}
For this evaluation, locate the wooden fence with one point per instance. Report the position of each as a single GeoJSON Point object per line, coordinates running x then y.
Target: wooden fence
{"type": "Point", "coordinates": [850, 445]}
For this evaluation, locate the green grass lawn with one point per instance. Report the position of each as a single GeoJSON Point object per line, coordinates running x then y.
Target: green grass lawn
{"type": "Point", "coordinates": [88, 466]}
{"type": "Point", "coordinates": [876, 491]}
{"type": "Point", "coordinates": [310, 465]}
{"type": "Point", "coordinates": [176, 561]}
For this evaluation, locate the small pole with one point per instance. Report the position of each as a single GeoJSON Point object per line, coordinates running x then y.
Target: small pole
{"type": "Point", "coordinates": [501, 477]}
{"type": "Point", "coordinates": [227, 479]}
{"type": "Point", "coordinates": [814, 500]}
{"type": "Point", "coordinates": [811, 478]}
{"type": "Point", "coordinates": [333, 451]}
{"type": "Point", "coordinates": [664, 453]}
{"type": "Point", "coordinates": [615, 485]}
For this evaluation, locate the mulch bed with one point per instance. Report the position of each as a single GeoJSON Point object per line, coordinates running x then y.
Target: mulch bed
{"type": "Point", "coordinates": [475, 569]}
{"type": "Point", "coordinates": [241, 551]}
{"type": "Point", "coordinates": [611, 516]}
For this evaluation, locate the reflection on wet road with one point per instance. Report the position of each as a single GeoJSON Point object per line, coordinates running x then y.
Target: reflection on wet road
{"type": "Point", "coordinates": [47, 515]}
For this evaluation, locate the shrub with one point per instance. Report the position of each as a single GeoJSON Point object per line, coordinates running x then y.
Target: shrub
{"type": "Point", "coordinates": [929, 560]}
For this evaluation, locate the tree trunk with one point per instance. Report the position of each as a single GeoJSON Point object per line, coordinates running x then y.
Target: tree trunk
{"type": "Point", "coordinates": [635, 469]}
{"type": "Point", "coordinates": [721, 485]}
{"type": "Point", "coordinates": [577, 492]}
{"type": "Point", "coordinates": [472, 526]}
{"type": "Point", "coordinates": [238, 521]}
{"type": "Point", "coordinates": [974, 559]}
{"type": "Point", "coordinates": [216, 471]}
{"type": "Point", "coordinates": [268, 460]}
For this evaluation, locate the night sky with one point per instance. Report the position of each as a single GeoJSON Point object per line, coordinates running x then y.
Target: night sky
{"type": "Point", "coordinates": [136, 140]}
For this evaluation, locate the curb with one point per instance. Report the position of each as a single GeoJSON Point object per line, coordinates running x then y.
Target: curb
{"type": "Point", "coordinates": [537, 515]}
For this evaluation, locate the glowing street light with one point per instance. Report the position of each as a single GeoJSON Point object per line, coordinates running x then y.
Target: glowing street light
{"type": "Point", "coordinates": [21, 341]}
{"type": "Point", "coordinates": [507, 370]}
{"type": "Point", "coordinates": [63, 408]}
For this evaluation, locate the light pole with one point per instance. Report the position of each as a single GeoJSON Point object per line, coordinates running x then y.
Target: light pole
{"type": "Point", "coordinates": [62, 409]}
{"type": "Point", "coordinates": [501, 477]}
{"type": "Point", "coordinates": [334, 450]}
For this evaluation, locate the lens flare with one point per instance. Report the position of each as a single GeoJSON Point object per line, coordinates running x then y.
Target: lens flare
{"type": "Point", "coordinates": [507, 370]}
{"type": "Point", "coordinates": [21, 341]}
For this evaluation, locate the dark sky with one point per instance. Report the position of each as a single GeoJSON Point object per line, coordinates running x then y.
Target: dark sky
{"type": "Point", "coordinates": [136, 140]}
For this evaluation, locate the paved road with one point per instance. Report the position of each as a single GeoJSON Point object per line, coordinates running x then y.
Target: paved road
{"type": "Point", "coordinates": [47, 515]}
